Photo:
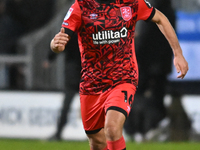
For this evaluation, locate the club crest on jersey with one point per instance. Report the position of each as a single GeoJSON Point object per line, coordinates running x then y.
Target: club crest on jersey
{"type": "Point", "coordinates": [126, 13]}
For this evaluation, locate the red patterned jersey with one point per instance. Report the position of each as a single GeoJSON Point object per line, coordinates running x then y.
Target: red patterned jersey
{"type": "Point", "coordinates": [106, 41]}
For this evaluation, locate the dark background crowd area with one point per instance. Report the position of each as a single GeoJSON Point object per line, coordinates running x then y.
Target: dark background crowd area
{"type": "Point", "coordinates": [18, 18]}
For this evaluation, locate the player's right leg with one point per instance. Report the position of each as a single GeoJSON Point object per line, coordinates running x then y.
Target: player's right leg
{"type": "Point", "coordinates": [93, 118]}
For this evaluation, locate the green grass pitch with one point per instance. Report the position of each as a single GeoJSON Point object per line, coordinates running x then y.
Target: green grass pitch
{"type": "Point", "coordinates": [10, 144]}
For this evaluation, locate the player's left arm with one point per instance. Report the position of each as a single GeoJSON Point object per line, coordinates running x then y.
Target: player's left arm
{"type": "Point", "coordinates": [166, 28]}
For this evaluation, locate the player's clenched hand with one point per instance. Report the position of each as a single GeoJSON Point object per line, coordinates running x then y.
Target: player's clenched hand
{"type": "Point", "coordinates": [181, 66]}
{"type": "Point", "coordinates": [59, 42]}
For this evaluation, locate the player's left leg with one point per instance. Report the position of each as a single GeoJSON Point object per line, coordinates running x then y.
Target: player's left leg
{"type": "Point", "coordinates": [111, 133]}
{"type": "Point", "coordinates": [113, 130]}
{"type": "Point", "coordinates": [118, 106]}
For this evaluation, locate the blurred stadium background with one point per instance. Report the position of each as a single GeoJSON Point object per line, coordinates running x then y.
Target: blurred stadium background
{"type": "Point", "coordinates": [30, 109]}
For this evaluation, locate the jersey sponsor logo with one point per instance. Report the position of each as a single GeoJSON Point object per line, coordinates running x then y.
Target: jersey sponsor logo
{"type": "Point", "coordinates": [147, 3]}
{"type": "Point", "coordinates": [126, 13]}
{"type": "Point", "coordinates": [68, 13]}
{"type": "Point", "coordinates": [109, 36]}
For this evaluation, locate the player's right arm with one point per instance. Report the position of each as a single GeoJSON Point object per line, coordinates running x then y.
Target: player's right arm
{"type": "Point", "coordinates": [71, 24]}
{"type": "Point", "coordinates": [59, 42]}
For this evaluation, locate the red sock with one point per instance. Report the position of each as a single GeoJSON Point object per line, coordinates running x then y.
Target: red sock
{"type": "Point", "coordinates": [117, 145]}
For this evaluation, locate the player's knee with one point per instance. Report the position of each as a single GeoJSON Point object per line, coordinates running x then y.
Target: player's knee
{"type": "Point", "coordinates": [112, 131]}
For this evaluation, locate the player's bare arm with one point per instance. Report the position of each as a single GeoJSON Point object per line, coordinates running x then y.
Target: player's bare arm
{"type": "Point", "coordinates": [59, 42]}
{"type": "Point", "coordinates": [169, 33]}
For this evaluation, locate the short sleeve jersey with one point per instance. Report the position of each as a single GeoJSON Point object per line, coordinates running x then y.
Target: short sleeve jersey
{"type": "Point", "coordinates": [106, 41]}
